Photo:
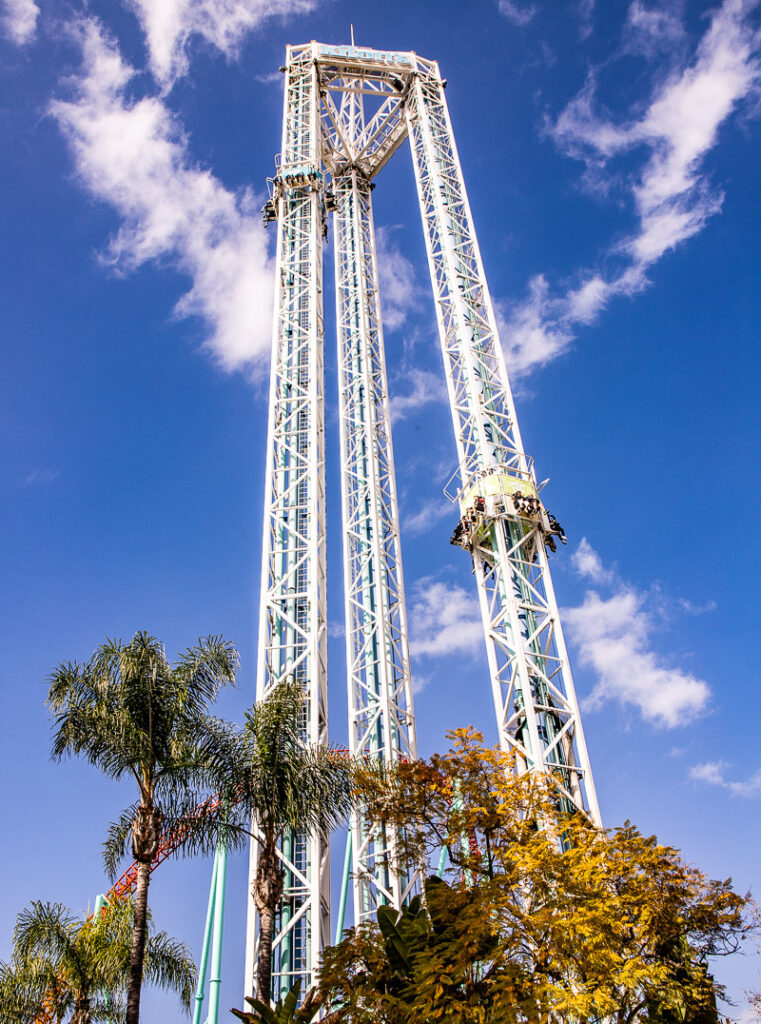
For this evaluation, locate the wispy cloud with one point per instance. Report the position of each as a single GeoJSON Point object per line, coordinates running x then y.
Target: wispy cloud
{"type": "Point", "coordinates": [170, 25]}
{"type": "Point", "coordinates": [426, 515]}
{"type": "Point", "coordinates": [587, 562]}
{"type": "Point", "coordinates": [671, 193]}
{"type": "Point", "coordinates": [585, 10]}
{"type": "Point", "coordinates": [401, 292]}
{"type": "Point", "coordinates": [18, 19]}
{"type": "Point", "coordinates": [419, 683]}
{"type": "Point", "coordinates": [613, 636]}
{"type": "Point", "coordinates": [41, 476]}
{"type": "Point", "coordinates": [518, 14]}
{"type": "Point", "coordinates": [444, 619]}
{"type": "Point", "coordinates": [424, 388]}
{"type": "Point", "coordinates": [270, 78]}
{"type": "Point", "coordinates": [133, 155]}
{"type": "Point", "coordinates": [653, 30]}
{"type": "Point", "coordinates": [713, 772]}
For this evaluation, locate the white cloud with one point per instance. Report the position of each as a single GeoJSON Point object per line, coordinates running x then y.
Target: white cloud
{"type": "Point", "coordinates": [425, 388]}
{"type": "Point", "coordinates": [399, 287]}
{"type": "Point", "coordinates": [587, 301]}
{"type": "Point", "coordinates": [419, 683]}
{"type": "Point", "coordinates": [671, 195]}
{"type": "Point", "coordinates": [169, 25]}
{"type": "Point", "coordinates": [696, 609]}
{"type": "Point", "coordinates": [613, 637]}
{"type": "Point", "coordinates": [515, 13]}
{"type": "Point", "coordinates": [712, 772]}
{"type": "Point", "coordinates": [19, 20]}
{"type": "Point", "coordinates": [132, 154]}
{"type": "Point", "coordinates": [650, 30]}
{"type": "Point", "coordinates": [533, 333]}
{"type": "Point", "coordinates": [426, 515]}
{"type": "Point", "coordinates": [585, 10]}
{"type": "Point", "coordinates": [444, 619]}
{"type": "Point", "coordinates": [587, 562]}
{"type": "Point", "coordinates": [542, 327]}
{"type": "Point", "coordinates": [270, 78]}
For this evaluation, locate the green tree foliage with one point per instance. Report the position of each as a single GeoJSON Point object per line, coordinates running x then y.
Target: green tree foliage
{"type": "Point", "coordinates": [285, 1011]}
{"type": "Point", "coordinates": [548, 918]}
{"type": "Point", "coordinates": [421, 931]}
{"type": "Point", "coordinates": [67, 969]}
{"type": "Point", "coordinates": [265, 773]}
{"type": "Point", "coordinates": [132, 714]}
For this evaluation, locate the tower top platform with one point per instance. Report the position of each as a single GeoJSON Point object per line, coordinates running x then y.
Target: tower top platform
{"type": "Point", "coordinates": [361, 58]}
{"type": "Point", "coordinates": [362, 94]}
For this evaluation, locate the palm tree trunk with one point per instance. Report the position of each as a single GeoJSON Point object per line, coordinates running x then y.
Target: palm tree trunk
{"type": "Point", "coordinates": [137, 951]}
{"type": "Point", "coordinates": [81, 1011]}
{"type": "Point", "coordinates": [264, 959]}
{"type": "Point", "coordinates": [146, 836]}
{"type": "Point", "coordinates": [268, 889]}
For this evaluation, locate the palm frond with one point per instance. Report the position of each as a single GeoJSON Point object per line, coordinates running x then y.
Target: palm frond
{"type": "Point", "coordinates": [128, 706]}
{"type": "Point", "coordinates": [117, 845]}
{"type": "Point", "coordinates": [106, 941]}
{"type": "Point", "coordinates": [202, 824]}
{"type": "Point", "coordinates": [44, 927]}
{"type": "Point", "coordinates": [87, 720]}
{"type": "Point", "coordinates": [23, 987]}
{"type": "Point", "coordinates": [204, 669]}
{"type": "Point", "coordinates": [324, 795]}
{"type": "Point", "coordinates": [109, 1010]}
{"type": "Point", "coordinates": [266, 773]}
{"type": "Point", "coordinates": [56, 955]}
{"type": "Point", "coordinates": [170, 965]}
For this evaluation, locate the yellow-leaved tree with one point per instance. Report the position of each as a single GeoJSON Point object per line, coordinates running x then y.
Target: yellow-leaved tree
{"type": "Point", "coordinates": [545, 918]}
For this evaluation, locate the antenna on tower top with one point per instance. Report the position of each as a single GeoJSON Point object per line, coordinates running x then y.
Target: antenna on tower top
{"type": "Point", "coordinates": [352, 35]}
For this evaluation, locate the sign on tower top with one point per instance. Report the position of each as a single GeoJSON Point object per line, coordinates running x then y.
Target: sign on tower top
{"type": "Point", "coordinates": [390, 57]}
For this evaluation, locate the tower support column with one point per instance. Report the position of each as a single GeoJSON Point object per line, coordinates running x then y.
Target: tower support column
{"type": "Point", "coordinates": [503, 523]}
{"type": "Point", "coordinates": [292, 609]}
{"type": "Point", "coordinates": [381, 722]}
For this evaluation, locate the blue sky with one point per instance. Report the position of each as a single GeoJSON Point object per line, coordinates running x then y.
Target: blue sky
{"type": "Point", "coordinates": [612, 155]}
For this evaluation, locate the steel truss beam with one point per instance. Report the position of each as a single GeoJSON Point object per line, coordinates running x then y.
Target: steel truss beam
{"type": "Point", "coordinates": [293, 613]}
{"type": "Point", "coordinates": [348, 72]}
{"type": "Point", "coordinates": [381, 722]}
{"type": "Point", "coordinates": [535, 702]}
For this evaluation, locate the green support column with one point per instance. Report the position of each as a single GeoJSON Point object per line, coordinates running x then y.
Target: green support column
{"type": "Point", "coordinates": [344, 889]}
{"type": "Point", "coordinates": [219, 920]}
{"type": "Point", "coordinates": [100, 903]}
{"type": "Point", "coordinates": [212, 941]}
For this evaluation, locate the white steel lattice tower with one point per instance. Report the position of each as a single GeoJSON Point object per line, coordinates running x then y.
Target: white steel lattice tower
{"type": "Point", "coordinates": [292, 625]}
{"type": "Point", "coordinates": [347, 110]}
{"type": "Point", "coordinates": [379, 687]}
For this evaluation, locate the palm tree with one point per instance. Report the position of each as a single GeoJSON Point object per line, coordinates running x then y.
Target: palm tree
{"type": "Point", "coordinates": [266, 774]}
{"type": "Point", "coordinates": [131, 713]}
{"type": "Point", "coordinates": [61, 965]}
{"type": "Point", "coordinates": [28, 993]}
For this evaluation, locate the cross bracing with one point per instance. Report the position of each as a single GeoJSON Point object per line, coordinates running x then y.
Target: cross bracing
{"type": "Point", "coordinates": [381, 723]}
{"type": "Point", "coordinates": [346, 111]}
{"type": "Point", "coordinates": [293, 612]}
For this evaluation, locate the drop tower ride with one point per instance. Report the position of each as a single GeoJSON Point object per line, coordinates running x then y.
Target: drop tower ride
{"type": "Point", "coordinates": [347, 110]}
